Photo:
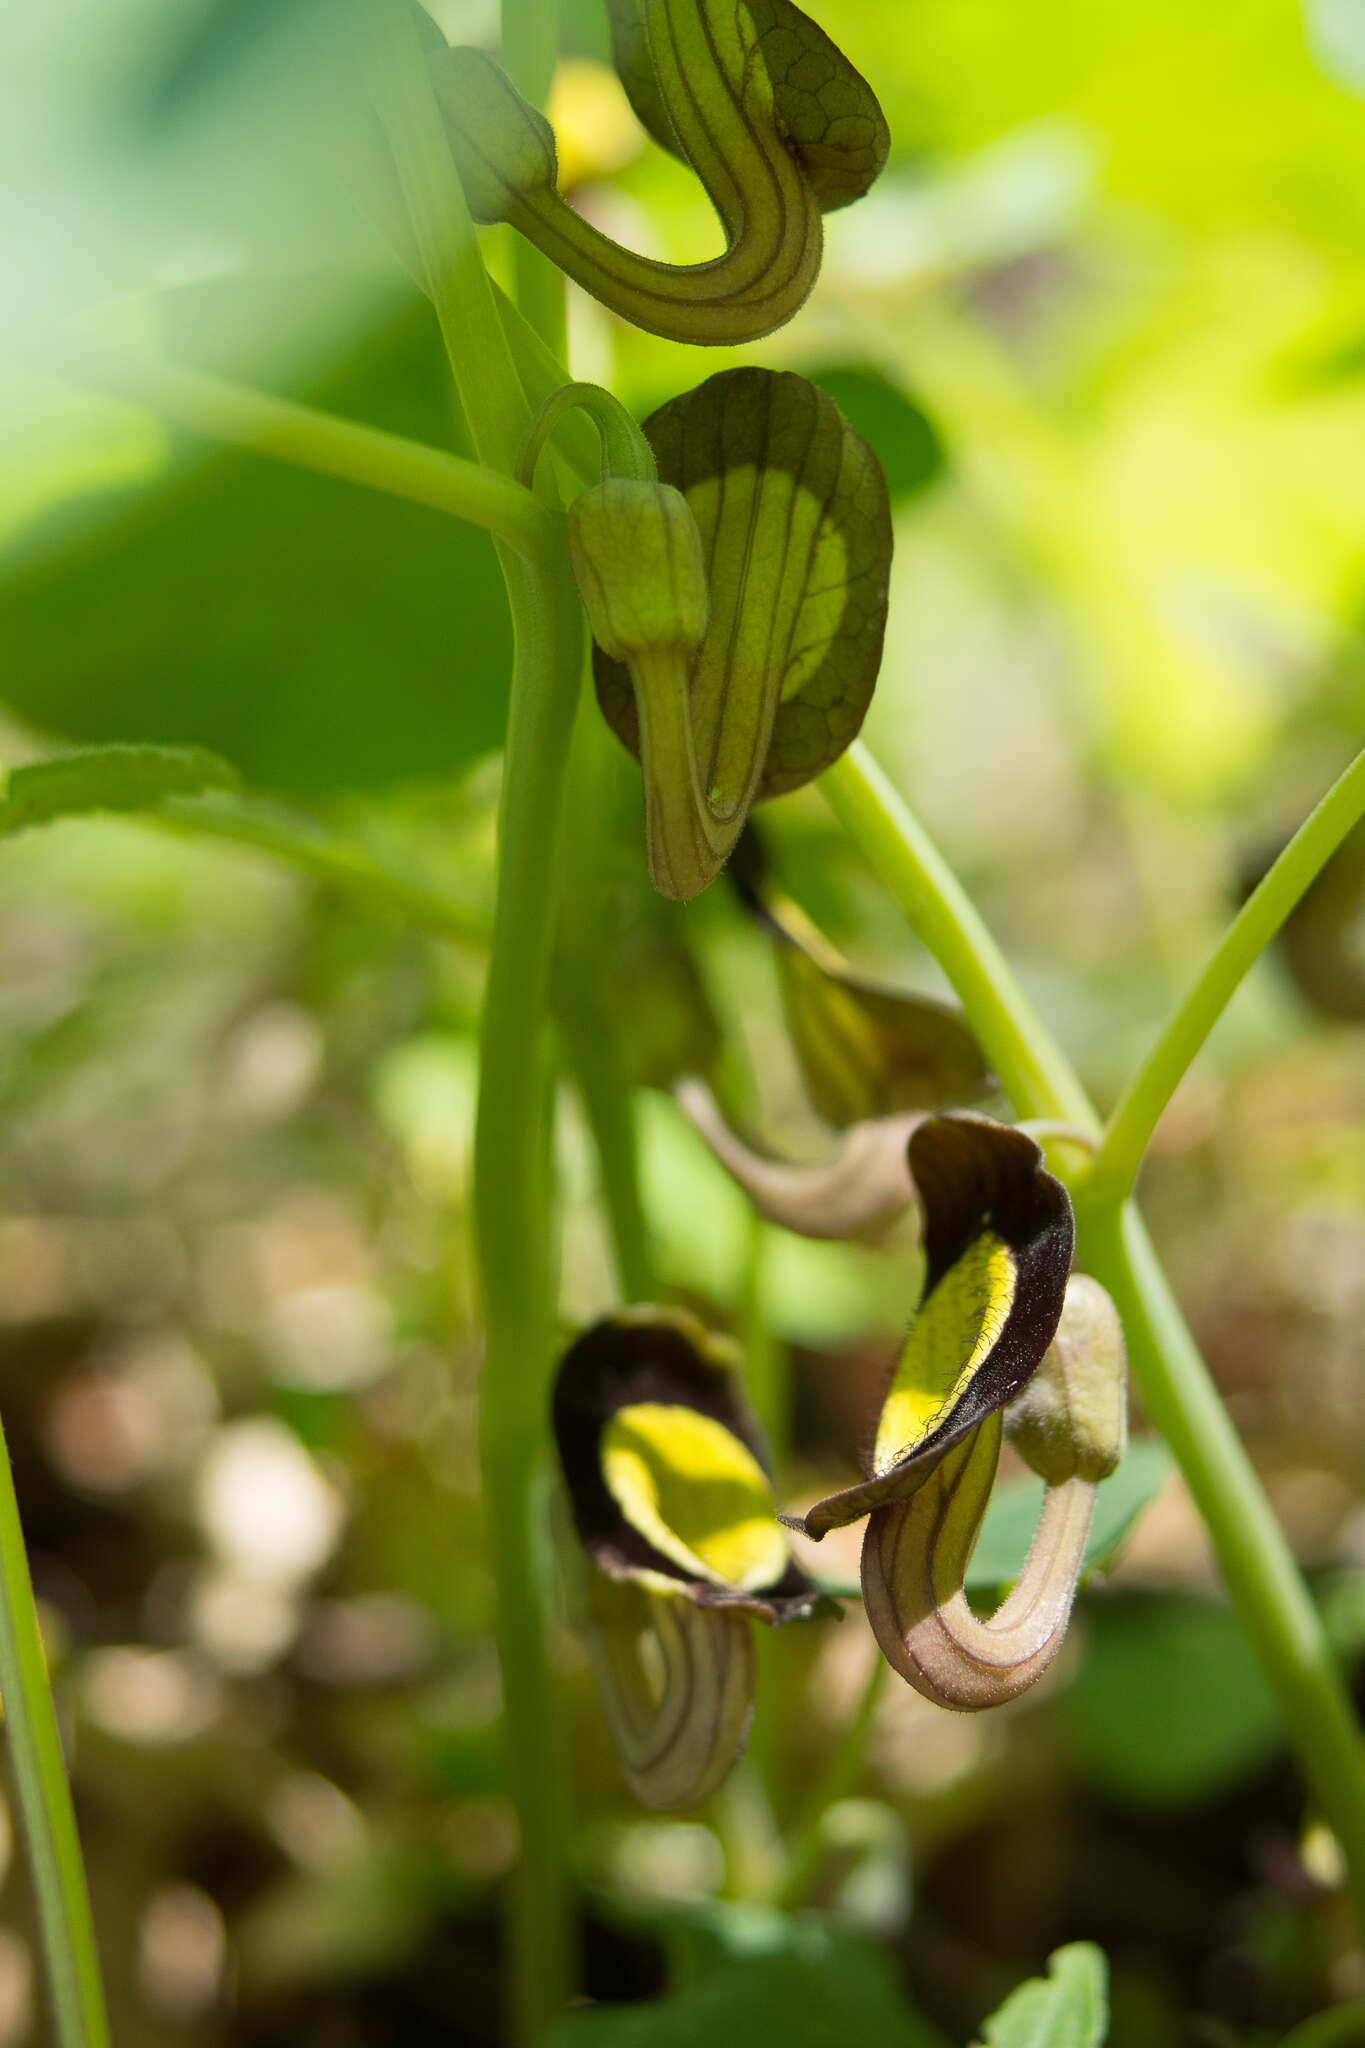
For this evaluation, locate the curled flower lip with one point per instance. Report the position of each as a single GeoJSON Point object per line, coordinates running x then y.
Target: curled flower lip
{"type": "Point", "coordinates": [618, 1388]}
{"type": "Point", "coordinates": [668, 1486]}
{"type": "Point", "coordinates": [998, 1240]}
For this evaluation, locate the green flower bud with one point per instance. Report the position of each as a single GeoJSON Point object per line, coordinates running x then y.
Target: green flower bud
{"type": "Point", "coordinates": [1071, 1419]}
{"type": "Point", "coordinates": [637, 559]}
{"type": "Point", "coordinates": [504, 150]}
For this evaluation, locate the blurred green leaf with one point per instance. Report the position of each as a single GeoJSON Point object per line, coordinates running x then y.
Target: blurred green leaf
{"type": "Point", "coordinates": [1069, 2008]}
{"type": "Point", "coordinates": [813, 1989]}
{"type": "Point", "coordinates": [905, 439]}
{"type": "Point", "coordinates": [1341, 2027]}
{"type": "Point", "coordinates": [108, 779]}
{"type": "Point", "coordinates": [319, 635]}
{"type": "Point", "coordinates": [1012, 1518]}
{"type": "Point", "coordinates": [1170, 1708]}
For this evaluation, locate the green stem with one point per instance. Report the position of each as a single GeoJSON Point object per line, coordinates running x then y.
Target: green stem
{"type": "Point", "coordinates": [530, 51]}
{"type": "Point", "coordinates": [1256, 1562]}
{"type": "Point", "coordinates": [1130, 1128]}
{"type": "Point", "coordinates": [512, 1205]}
{"type": "Point", "coordinates": [1035, 1074]}
{"type": "Point", "coordinates": [447, 243]}
{"type": "Point", "coordinates": [1258, 1566]}
{"type": "Point", "coordinates": [837, 1781]}
{"type": "Point", "coordinates": [54, 1849]}
{"type": "Point", "coordinates": [307, 439]}
{"type": "Point", "coordinates": [513, 1236]}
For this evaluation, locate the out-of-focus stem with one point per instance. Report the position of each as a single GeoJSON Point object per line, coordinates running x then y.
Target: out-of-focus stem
{"type": "Point", "coordinates": [54, 1850]}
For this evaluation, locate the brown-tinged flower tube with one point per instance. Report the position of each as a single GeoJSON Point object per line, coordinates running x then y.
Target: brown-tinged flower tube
{"type": "Point", "coordinates": [1069, 1423]}
{"type": "Point", "coordinates": [865, 1051]}
{"type": "Point", "coordinates": [669, 1490]}
{"type": "Point", "coordinates": [777, 125]}
{"type": "Point", "coordinates": [858, 1193]}
{"type": "Point", "coordinates": [998, 1238]}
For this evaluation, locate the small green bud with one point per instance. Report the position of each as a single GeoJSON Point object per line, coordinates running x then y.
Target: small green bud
{"type": "Point", "coordinates": [637, 559]}
{"type": "Point", "coordinates": [504, 150]}
{"type": "Point", "coordinates": [1070, 1421]}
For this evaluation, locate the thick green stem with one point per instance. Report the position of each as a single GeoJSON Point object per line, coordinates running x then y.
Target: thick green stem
{"type": "Point", "coordinates": [1134, 1119]}
{"type": "Point", "coordinates": [838, 1780]}
{"type": "Point", "coordinates": [447, 244]}
{"type": "Point", "coordinates": [512, 1207]}
{"type": "Point", "coordinates": [54, 1850]}
{"type": "Point", "coordinates": [1256, 1562]}
{"type": "Point", "coordinates": [1033, 1072]}
{"type": "Point", "coordinates": [513, 1233]}
{"type": "Point", "coordinates": [306, 439]}
{"type": "Point", "coordinates": [1258, 1566]}
{"type": "Point", "coordinates": [530, 50]}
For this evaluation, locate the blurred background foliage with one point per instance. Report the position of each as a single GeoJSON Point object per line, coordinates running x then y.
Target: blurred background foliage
{"type": "Point", "coordinates": [1104, 318]}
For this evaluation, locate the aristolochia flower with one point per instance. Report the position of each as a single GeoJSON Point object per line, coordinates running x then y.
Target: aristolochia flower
{"type": "Point", "coordinates": [999, 1322]}
{"type": "Point", "coordinates": [669, 1489]}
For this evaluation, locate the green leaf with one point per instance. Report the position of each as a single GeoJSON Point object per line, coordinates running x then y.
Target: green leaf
{"type": "Point", "coordinates": [825, 1991]}
{"type": "Point", "coordinates": [1013, 1513]}
{"type": "Point", "coordinates": [907, 442]}
{"type": "Point", "coordinates": [1069, 2008]}
{"type": "Point", "coordinates": [319, 635]}
{"type": "Point", "coordinates": [1170, 1708]}
{"type": "Point", "coordinates": [109, 779]}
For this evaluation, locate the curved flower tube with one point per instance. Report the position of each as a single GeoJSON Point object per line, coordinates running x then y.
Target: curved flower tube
{"type": "Point", "coordinates": [1069, 1423]}
{"type": "Point", "coordinates": [998, 1238]}
{"type": "Point", "coordinates": [777, 125]}
{"type": "Point", "coordinates": [858, 1193]}
{"type": "Point", "coordinates": [668, 1485]}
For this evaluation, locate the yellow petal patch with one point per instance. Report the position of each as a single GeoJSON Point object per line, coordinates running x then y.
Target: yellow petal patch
{"type": "Point", "coordinates": [695, 1492]}
{"type": "Point", "coordinates": [951, 1337]}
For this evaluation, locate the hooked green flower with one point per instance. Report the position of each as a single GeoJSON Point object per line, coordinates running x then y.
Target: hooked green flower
{"type": "Point", "coordinates": [866, 1051]}
{"type": "Point", "coordinates": [668, 1484]}
{"type": "Point", "coordinates": [776, 123]}
{"type": "Point", "coordinates": [755, 688]}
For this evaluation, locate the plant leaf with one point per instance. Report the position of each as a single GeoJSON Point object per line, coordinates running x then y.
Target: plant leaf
{"type": "Point", "coordinates": [1069, 2008]}
{"type": "Point", "coordinates": [1010, 1520]}
{"type": "Point", "coordinates": [320, 636]}
{"type": "Point", "coordinates": [826, 1991]}
{"type": "Point", "coordinates": [118, 778]}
